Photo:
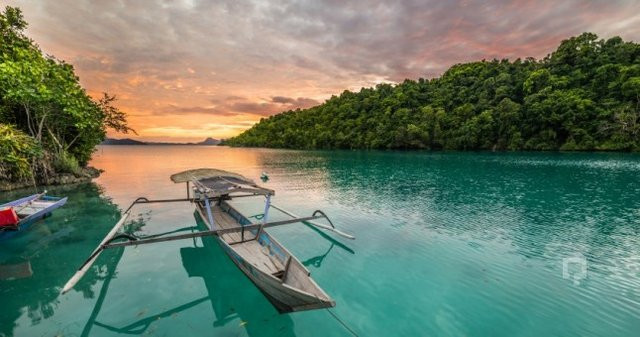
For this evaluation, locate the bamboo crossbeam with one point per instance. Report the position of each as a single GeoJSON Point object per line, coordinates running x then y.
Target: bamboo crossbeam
{"type": "Point", "coordinates": [209, 233]}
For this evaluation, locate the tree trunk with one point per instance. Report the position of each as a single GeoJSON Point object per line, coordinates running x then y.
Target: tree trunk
{"type": "Point", "coordinates": [39, 135]}
{"type": "Point", "coordinates": [26, 109]}
{"type": "Point", "coordinates": [72, 141]}
{"type": "Point", "coordinates": [55, 139]}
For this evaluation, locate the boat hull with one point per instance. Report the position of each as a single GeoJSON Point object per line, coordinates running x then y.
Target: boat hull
{"type": "Point", "coordinates": [283, 297]}
{"type": "Point", "coordinates": [29, 220]}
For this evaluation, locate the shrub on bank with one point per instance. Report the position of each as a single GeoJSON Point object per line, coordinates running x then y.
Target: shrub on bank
{"type": "Point", "coordinates": [18, 152]}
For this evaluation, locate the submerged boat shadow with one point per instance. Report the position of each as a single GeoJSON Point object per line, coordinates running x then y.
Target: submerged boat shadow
{"type": "Point", "coordinates": [221, 277]}
{"type": "Point", "coordinates": [316, 261]}
{"type": "Point", "coordinates": [232, 296]}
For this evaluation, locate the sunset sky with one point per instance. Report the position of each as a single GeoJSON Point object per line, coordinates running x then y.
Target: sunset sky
{"type": "Point", "coordinates": [189, 69]}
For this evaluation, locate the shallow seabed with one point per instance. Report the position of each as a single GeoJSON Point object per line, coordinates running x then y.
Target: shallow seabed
{"type": "Point", "coordinates": [448, 244]}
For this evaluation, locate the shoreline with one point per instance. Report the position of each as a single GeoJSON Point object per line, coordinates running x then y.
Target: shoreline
{"type": "Point", "coordinates": [85, 175]}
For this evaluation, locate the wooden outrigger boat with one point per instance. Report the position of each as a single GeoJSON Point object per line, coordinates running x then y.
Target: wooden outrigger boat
{"type": "Point", "coordinates": [280, 276]}
{"type": "Point", "coordinates": [22, 213]}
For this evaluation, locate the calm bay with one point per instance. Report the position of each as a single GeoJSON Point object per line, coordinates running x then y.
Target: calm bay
{"type": "Point", "coordinates": [448, 244]}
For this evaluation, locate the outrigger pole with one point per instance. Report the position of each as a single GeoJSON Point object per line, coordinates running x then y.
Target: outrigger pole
{"type": "Point", "coordinates": [110, 236]}
{"type": "Point", "coordinates": [92, 258]}
{"type": "Point", "coordinates": [313, 223]}
{"type": "Point", "coordinates": [133, 241]}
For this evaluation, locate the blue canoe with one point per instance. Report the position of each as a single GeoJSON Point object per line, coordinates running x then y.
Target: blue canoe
{"type": "Point", "coordinates": [30, 209]}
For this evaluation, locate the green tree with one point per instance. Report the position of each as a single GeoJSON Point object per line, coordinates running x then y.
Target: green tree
{"type": "Point", "coordinates": [583, 96]}
{"type": "Point", "coordinates": [41, 96]}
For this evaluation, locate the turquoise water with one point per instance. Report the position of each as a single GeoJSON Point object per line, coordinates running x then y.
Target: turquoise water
{"type": "Point", "coordinates": [448, 244]}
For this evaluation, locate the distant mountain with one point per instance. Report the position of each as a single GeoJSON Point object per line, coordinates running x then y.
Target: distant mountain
{"type": "Point", "coordinates": [129, 141]}
{"type": "Point", "coordinates": [124, 141]}
{"type": "Point", "coordinates": [209, 141]}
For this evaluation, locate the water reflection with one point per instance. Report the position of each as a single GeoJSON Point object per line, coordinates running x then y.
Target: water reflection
{"type": "Point", "coordinates": [15, 271]}
{"type": "Point", "coordinates": [148, 167]}
{"type": "Point", "coordinates": [478, 239]}
{"type": "Point", "coordinates": [316, 261]}
{"type": "Point", "coordinates": [110, 269]}
{"type": "Point", "coordinates": [508, 220]}
{"type": "Point", "coordinates": [210, 263]}
{"type": "Point", "coordinates": [537, 202]}
{"type": "Point", "coordinates": [35, 265]}
{"type": "Point", "coordinates": [226, 290]}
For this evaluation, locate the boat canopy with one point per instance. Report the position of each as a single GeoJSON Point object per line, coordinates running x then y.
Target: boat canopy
{"type": "Point", "coordinates": [215, 183]}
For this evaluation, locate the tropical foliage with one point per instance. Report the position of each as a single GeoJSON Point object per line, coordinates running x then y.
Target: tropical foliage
{"type": "Point", "coordinates": [48, 122]}
{"type": "Point", "coordinates": [583, 96]}
{"type": "Point", "coordinates": [17, 151]}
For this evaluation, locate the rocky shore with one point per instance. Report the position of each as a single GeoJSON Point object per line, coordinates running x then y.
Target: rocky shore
{"type": "Point", "coordinates": [85, 175]}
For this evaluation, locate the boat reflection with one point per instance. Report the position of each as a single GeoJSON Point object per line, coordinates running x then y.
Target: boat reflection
{"type": "Point", "coordinates": [232, 297]}
{"type": "Point", "coordinates": [205, 259]}
{"type": "Point", "coordinates": [316, 261]}
{"type": "Point", "coordinates": [15, 271]}
{"type": "Point", "coordinates": [34, 266]}
{"type": "Point", "coordinates": [111, 269]}
{"type": "Point", "coordinates": [219, 275]}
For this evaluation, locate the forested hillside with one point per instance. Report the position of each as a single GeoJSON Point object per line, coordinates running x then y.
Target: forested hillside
{"type": "Point", "coordinates": [583, 96]}
{"type": "Point", "coordinates": [48, 123]}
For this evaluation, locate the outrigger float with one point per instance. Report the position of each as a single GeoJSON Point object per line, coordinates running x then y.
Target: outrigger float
{"type": "Point", "coordinates": [280, 276]}
{"type": "Point", "coordinates": [17, 216]}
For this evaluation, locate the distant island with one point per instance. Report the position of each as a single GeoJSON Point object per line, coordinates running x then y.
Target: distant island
{"type": "Point", "coordinates": [129, 141]}
{"type": "Point", "coordinates": [583, 96]}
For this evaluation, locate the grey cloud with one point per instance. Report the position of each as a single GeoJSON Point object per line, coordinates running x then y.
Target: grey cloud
{"type": "Point", "coordinates": [410, 38]}
{"type": "Point", "coordinates": [262, 109]}
{"type": "Point", "coordinates": [300, 102]}
{"type": "Point", "coordinates": [235, 98]}
{"type": "Point", "coordinates": [277, 104]}
{"type": "Point", "coordinates": [326, 46]}
{"type": "Point", "coordinates": [235, 105]}
{"type": "Point", "coordinates": [283, 100]}
{"type": "Point", "coordinates": [187, 110]}
{"type": "Point", "coordinates": [365, 38]}
{"type": "Point", "coordinates": [386, 39]}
